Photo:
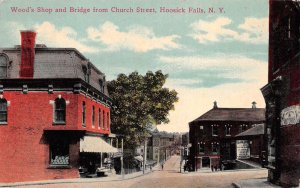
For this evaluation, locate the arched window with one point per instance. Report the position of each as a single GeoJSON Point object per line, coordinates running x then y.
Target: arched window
{"type": "Point", "coordinates": [3, 111]}
{"type": "Point", "coordinates": [99, 119]}
{"type": "Point", "coordinates": [3, 65]}
{"type": "Point", "coordinates": [103, 123]}
{"type": "Point", "coordinates": [59, 110]}
{"type": "Point", "coordinates": [108, 119]}
{"type": "Point", "coordinates": [93, 116]}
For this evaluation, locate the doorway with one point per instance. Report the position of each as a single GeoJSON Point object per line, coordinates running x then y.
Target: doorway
{"type": "Point", "coordinates": [205, 162]}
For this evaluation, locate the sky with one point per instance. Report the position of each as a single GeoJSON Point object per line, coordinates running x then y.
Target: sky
{"type": "Point", "coordinates": [217, 54]}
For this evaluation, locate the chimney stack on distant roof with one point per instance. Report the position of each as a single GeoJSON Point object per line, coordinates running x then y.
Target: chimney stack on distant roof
{"type": "Point", "coordinates": [215, 104]}
{"type": "Point", "coordinates": [253, 104]}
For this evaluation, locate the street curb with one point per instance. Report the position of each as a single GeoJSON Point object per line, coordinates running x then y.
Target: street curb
{"type": "Point", "coordinates": [86, 180]}
{"type": "Point", "coordinates": [242, 170]}
{"type": "Point", "coordinates": [236, 185]}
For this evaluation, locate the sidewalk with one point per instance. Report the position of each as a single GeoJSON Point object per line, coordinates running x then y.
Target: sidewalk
{"type": "Point", "coordinates": [253, 183]}
{"type": "Point", "coordinates": [111, 177]}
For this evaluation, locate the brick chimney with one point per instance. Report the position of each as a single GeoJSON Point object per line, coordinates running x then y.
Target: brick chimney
{"type": "Point", "coordinates": [215, 105]}
{"type": "Point", "coordinates": [27, 53]}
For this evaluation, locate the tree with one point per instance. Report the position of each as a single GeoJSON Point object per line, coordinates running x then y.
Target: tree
{"type": "Point", "coordinates": [140, 102]}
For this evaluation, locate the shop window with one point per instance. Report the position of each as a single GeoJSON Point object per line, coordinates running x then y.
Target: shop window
{"type": "Point", "coordinates": [93, 116]}
{"type": "Point", "coordinates": [59, 110]}
{"type": "Point", "coordinates": [59, 154]}
{"type": "Point", "coordinates": [3, 111]}
{"type": "Point", "coordinates": [214, 129]}
{"type": "Point", "coordinates": [83, 113]}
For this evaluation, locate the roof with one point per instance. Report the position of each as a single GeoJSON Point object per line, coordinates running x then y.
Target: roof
{"type": "Point", "coordinates": [258, 129]}
{"type": "Point", "coordinates": [233, 114]}
{"type": "Point", "coordinates": [57, 63]}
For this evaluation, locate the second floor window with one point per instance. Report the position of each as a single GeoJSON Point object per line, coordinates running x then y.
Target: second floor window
{"type": "Point", "coordinates": [214, 130]}
{"type": "Point", "coordinates": [103, 122]}
{"type": "Point", "coordinates": [214, 148]}
{"type": "Point", "coordinates": [201, 147]}
{"type": "Point", "coordinates": [99, 118]}
{"type": "Point", "coordinates": [93, 116]}
{"type": "Point", "coordinates": [59, 110]}
{"type": "Point", "coordinates": [83, 113]}
{"type": "Point", "coordinates": [3, 111]}
{"type": "Point", "coordinates": [228, 130]}
{"type": "Point", "coordinates": [108, 119]}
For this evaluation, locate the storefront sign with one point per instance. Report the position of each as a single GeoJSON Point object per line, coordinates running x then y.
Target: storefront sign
{"type": "Point", "coordinates": [242, 149]}
{"type": "Point", "coordinates": [290, 115]}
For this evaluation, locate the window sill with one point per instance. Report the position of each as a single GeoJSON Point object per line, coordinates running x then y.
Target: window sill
{"type": "Point", "coordinates": [228, 135]}
{"type": "Point", "coordinates": [59, 167]}
{"type": "Point", "coordinates": [3, 123]}
{"type": "Point", "coordinates": [214, 135]}
{"type": "Point", "coordinates": [59, 123]}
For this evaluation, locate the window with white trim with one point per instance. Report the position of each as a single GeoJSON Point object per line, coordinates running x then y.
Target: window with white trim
{"type": "Point", "coordinates": [59, 110]}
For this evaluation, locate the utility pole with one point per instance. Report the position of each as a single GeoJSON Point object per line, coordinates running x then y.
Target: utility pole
{"type": "Point", "coordinates": [145, 155]}
{"type": "Point", "coordinates": [122, 164]}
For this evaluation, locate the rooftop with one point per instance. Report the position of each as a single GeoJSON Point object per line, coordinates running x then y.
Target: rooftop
{"type": "Point", "coordinates": [233, 114]}
{"type": "Point", "coordinates": [258, 129]}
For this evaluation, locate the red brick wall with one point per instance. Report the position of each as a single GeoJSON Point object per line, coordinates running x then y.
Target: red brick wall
{"type": "Point", "coordinates": [24, 151]}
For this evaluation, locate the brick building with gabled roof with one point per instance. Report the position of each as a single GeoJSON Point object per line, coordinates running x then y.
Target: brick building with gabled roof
{"type": "Point", "coordinates": [54, 104]}
{"type": "Point", "coordinates": [212, 135]}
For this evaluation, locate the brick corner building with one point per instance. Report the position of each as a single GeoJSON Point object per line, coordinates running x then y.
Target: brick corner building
{"type": "Point", "coordinates": [54, 111]}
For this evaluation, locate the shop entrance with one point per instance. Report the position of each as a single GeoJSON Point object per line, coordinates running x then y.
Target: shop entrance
{"type": "Point", "coordinates": [205, 162]}
{"type": "Point", "coordinates": [89, 161]}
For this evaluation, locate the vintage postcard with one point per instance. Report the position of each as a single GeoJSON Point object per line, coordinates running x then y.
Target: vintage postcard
{"type": "Point", "coordinates": [149, 93]}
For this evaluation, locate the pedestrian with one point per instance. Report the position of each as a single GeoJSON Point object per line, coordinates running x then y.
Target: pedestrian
{"type": "Point", "coordinates": [212, 168]}
{"type": "Point", "coordinates": [162, 166]}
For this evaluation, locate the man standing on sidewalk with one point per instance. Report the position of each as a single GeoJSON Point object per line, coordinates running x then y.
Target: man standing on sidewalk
{"type": "Point", "coordinates": [162, 166]}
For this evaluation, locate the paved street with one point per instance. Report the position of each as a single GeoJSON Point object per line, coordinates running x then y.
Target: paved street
{"type": "Point", "coordinates": [170, 177]}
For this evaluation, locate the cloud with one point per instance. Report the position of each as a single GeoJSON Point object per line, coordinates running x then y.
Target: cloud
{"type": "Point", "coordinates": [64, 37]}
{"type": "Point", "coordinates": [226, 66]}
{"type": "Point", "coordinates": [136, 38]}
{"type": "Point", "coordinates": [252, 30]}
{"type": "Point", "coordinates": [255, 30]}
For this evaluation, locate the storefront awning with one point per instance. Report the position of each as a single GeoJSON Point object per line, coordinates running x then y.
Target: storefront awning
{"type": "Point", "coordinates": [96, 144]}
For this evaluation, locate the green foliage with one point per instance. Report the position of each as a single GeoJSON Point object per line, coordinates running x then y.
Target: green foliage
{"type": "Point", "coordinates": [141, 101]}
